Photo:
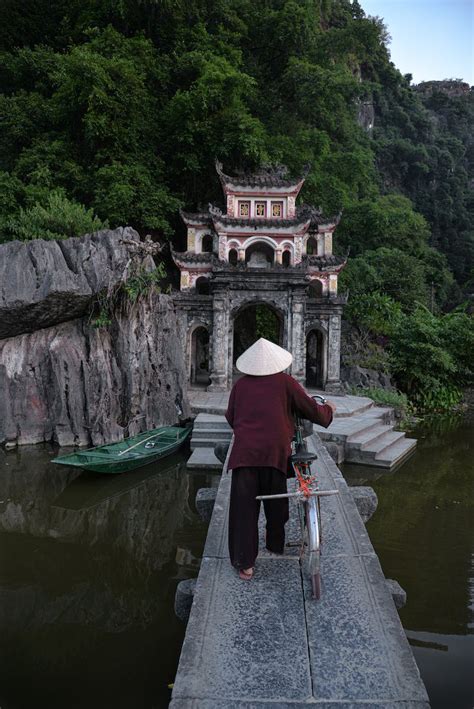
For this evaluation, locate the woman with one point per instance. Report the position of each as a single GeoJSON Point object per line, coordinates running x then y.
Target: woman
{"type": "Point", "coordinates": [260, 411]}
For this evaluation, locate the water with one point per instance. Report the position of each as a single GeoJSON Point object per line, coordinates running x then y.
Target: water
{"type": "Point", "coordinates": [88, 570]}
{"type": "Point", "coordinates": [89, 566]}
{"type": "Point", "coordinates": [423, 534]}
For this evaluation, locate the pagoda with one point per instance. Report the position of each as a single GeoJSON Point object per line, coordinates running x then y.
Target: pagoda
{"type": "Point", "coordinates": [263, 250]}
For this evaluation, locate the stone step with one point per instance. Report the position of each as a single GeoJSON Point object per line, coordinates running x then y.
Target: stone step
{"type": "Point", "coordinates": [203, 459]}
{"type": "Point", "coordinates": [212, 433]}
{"type": "Point", "coordinates": [339, 432]}
{"type": "Point", "coordinates": [364, 438]}
{"type": "Point", "coordinates": [205, 443]}
{"type": "Point", "coordinates": [203, 421]}
{"type": "Point", "coordinates": [373, 448]}
{"type": "Point", "coordinates": [396, 454]}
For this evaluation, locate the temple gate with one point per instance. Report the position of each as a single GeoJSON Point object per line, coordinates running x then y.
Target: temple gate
{"type": "Point", "coordinates": [264, 266]}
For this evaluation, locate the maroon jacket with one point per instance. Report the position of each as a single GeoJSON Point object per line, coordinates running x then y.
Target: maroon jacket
{"type": "Point", "coordinates": [260, 412]}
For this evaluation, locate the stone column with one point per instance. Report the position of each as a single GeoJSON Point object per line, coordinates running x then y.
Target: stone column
{"type": "Point", "coordinates": [241, 254]}
{"type": "Point", "coordinates": [220, 337]}
{"type": "Point", "coordinates": [298, 242]}
{"type": "Point", "coordinates": [334, 353]}
{"type": "Point", "coordinates": [278, 256]}
{"type": "Point", "coordinates": [191, 239]}
{"type": "Point", "coordinates": [222, 252]}
{"type": "Point", "coordinates": [298, 338]}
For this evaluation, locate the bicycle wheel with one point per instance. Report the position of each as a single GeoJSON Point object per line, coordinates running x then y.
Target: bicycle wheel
{"type": "Point", "coordinates": [314, 545]}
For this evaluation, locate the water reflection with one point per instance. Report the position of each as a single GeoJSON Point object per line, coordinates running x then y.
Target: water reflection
{"type": "Point", "coordinates": [87, 578]}
{"type": "Point", "coordinates": [423, 534]}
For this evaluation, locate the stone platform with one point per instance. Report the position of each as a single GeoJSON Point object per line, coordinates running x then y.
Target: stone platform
{"type": "Point", "coordinates": [360, 432]}
{"type": "Point", "coordinates": [266, 643]}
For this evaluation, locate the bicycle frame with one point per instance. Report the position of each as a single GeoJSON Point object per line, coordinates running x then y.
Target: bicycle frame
{"type": "Point", "coordinates": [308, 495]}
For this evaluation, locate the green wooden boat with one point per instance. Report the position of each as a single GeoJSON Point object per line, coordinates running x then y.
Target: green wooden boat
{"type": "Point", "coordinates": [130, 453]}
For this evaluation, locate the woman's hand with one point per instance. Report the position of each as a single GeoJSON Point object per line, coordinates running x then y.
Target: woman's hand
{"type": "Point", "coordinates": [332, 405]}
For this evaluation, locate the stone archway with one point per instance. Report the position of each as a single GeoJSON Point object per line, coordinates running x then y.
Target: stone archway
{"type": "Point", "coordinates": [316, 358]}
{"type": "Point", "coordinates": [200, 369]}
{"type": "Point", "coordinates": [252, 321]}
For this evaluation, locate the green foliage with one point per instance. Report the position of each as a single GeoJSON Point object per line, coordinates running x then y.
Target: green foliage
{"type": "Point", "coordinates": [423, 143]}
{"type": "Point", "coordinates": [114, 112]}
{"type": "Point", "coordinates": [432, 357]}
{"type": "Point", "coordinates": [267, 324]}
{"type": "Point", "coordinates": [388, 221]}
{"type": "Point", "coordinates": [143, 281]}
{"type": "Point", "coordinates": [391, 272]}
{"type": "Point", "coordinates": [376, 312]}
{"type": "Point", "coordinates": [58, 218]}
{"type": "Point", "coordinates": [385, 397]}
{"type": "Point", "coordinates": [139, 283]}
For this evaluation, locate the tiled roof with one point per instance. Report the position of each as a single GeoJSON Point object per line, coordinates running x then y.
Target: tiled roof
{"type": "Point", "coordinates": [304, 213]}
{"type": "Point", "coordinates": [323, 262]}
{"type": "Point", "coordinates": [316, 215]}
{"type": "Point", "coordinates": [190, 257]}
{"type": "Point", "coordinates": [196, 217]}
{"type": "Point", "coordinates": [266, 177]}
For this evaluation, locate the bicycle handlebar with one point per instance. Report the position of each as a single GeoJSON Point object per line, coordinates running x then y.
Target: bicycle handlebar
{"type": "Point", "coordinates": [316, 493]}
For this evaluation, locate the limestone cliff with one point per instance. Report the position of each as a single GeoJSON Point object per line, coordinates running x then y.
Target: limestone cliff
{"type": "Point", "coordinates": [46, 282]}
{"type": "Point", "coordinates": [78, 385]}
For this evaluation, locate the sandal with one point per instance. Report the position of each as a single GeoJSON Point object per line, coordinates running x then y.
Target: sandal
{"type": "Point", "coordinates": [245, 574]}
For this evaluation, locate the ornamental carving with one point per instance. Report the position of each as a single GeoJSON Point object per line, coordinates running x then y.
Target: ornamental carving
{"type": "Point", "coordinates": [262, 207]}
{"type": "Point", "coordinates": [231, 205]}
{"type": "Point", "coordinates": [291, 206]}
{"type": "Point", "coordinates": [222, 247]}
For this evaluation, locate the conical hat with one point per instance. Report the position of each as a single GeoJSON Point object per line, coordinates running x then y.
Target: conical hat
{"type": "Point", "coordinates": [262, 358]}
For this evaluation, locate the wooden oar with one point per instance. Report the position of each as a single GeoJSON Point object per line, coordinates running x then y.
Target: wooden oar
{"type": "Point", "coordinates": [140, 442]}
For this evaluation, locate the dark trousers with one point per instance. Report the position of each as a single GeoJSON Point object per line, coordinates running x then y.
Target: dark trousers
{"type": "Point", "coordinates": [247, 483]}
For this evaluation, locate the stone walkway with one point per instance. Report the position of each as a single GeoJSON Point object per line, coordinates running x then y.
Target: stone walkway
{"type": "Point", "coordinates": [266, 643]}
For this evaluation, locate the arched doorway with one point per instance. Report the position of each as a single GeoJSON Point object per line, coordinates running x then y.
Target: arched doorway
{"type": "Point", "coordinates": [315, 359]}
{"type": "Point", "coordinates": [311, 246]}
{"type": "Point", "coordinates": [315, 288]}
{"type": "Point", "coordinates": [202, 285]}
{"type": "Point", "coordinates": [259, 255]}
{"type": "Point", "coordinates": [207, 243]}
{"type": "Point", "coordinates": [200, 356]}
{"type": "Point", "coordinates": [252, 322]}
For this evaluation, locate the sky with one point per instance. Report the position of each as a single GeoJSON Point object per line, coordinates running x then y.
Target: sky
{"type": "Point", "coordinates": [431, 39]}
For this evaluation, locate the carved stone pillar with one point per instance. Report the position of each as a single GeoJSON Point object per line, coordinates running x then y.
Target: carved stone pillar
{"type": "Point", "coordinates": [334, 353]}
{"type": "Point", "coordinates": [291, 206]}
{"type": "Point", "coordinates": [191, 239]}
{"type": "Point", "coordinates": [298, 242]}
{"type": "Point", "coordinates": [222, 247]}
{"type": "Point", "coordinates": [278, 256]}
{"type": "Point", "coordinates": [241, 254]}
{"type": "Point", "coordinates": [297, 338]}
{"type": "Point", "coordinates": [220, 337]}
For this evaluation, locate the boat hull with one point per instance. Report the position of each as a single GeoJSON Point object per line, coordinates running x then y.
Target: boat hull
{"type": "Point", "coordinates": [129, 454]}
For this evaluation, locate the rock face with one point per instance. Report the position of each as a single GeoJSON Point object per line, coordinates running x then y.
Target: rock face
{"type": "Point", "coordinates": [364, 378]}
{"type": "Point", "coordinates": [78, 385]}
{"type": "Point", "coordinates": [47, 282]}
{"type": "Point", "coordinates": [63, 380]}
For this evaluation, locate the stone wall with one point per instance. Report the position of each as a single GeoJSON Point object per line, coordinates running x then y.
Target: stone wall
{"type": "Point", "coordinates": [75, 384]}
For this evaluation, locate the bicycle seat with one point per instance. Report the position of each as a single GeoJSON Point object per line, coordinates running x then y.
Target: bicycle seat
{"type": "Point", "coordinates": [303, 457]}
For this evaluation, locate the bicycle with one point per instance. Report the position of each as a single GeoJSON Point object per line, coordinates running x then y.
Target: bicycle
{"type": "Point", "coordinates": [308, 498]}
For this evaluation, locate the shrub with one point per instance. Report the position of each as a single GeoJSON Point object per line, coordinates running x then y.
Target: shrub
{"type": "Point", "coordinates": [58, 218]}
{"type": "Point", "coordinates": [375, 312]}
{"type": "Point", "coordinates": [431, 357]}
